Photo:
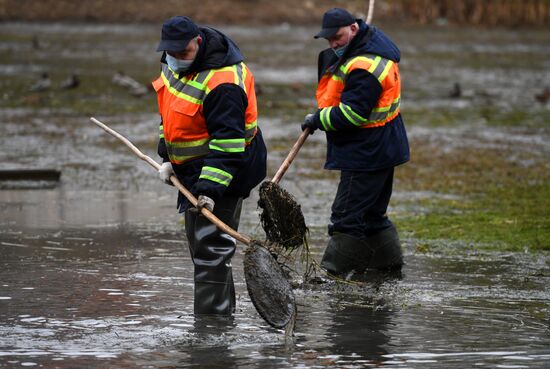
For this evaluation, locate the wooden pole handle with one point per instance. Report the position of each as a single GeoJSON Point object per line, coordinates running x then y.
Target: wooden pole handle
{"type": "Point", "coordinates": [291, 155]}
{"type": "Point", "coordinates": [370, 13]}
{"type": "Point", "coordinates": [208, 214]}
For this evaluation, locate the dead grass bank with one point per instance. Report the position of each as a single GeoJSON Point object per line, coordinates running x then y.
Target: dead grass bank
{"type": "Point", "coordinates": [476, 12]}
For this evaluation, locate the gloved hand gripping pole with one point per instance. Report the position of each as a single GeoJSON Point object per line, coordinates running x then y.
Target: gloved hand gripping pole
{"type": "Point", "coordinates": [211, 217]}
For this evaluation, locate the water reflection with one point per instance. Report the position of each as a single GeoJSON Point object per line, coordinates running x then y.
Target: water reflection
{"type": "Point", "coordinates": [210, 334]}
{"type": "Point", "coordinates": [359, 334]}
{"type": "Point", "coordinates": [58, 208]}
{"type": "Point", "coordinates": [123, 295]}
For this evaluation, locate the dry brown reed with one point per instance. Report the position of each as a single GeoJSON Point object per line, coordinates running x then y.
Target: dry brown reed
{"type": "Point", "coordinates": [475, 12]}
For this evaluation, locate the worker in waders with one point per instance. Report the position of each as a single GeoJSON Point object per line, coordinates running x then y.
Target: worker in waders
{"type": "Point", "coordinates": [358, 96]}
{"type": "Point", "coordinates": [210, 139]}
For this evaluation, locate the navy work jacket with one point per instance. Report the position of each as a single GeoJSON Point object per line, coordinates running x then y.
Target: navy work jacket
{"type": "Point", "coordinates": [364, 149]}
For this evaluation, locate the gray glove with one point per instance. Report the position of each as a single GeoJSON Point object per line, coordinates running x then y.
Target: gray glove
{"type": "Point", "coordinates": [165, 172]}
{"type": "Point", "coordinates": [309, 122]}
{"type": "Point", "coordinates": [205, 202]}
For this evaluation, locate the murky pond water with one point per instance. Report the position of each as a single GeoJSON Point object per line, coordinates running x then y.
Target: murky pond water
{"type": "Point", "coordinates": [108, 283]}
{"type": "Point", "coordinates": [95, 271]}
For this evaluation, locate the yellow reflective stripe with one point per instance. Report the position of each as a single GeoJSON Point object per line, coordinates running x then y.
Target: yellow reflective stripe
{"type": "Point", "coordinates": [325, 119]}
{"type": "Point", "coordinates": [227, 145]}
{"type": "Point", "coordinates": [351, 116]}
{"type": "Point", "coordinates": [183, 85]}
{"type": "Point", "coordinates": [251, 125]}
{"type": "Point", "coordinates": [374, 64]}
{"type": "Point", "coordinates": [250, 130]}
{"type": "Point", "coordinates": [225, 69]}
{"type": "Point", "coordinates": [179, 94]}
{"type": "Point", "coordinates": [208, 76]}
{"type": "Point", "coordinates": [238, 70]}
{"type": "Point", "coordinates": [207, 79]}
{"type": "Point", "coordinates": [377, 115]}
{"type": "Point", "coordinates": [393, 107]}
{"type": "Point", "coordinates": [161, 129]}
{"type": "Point", "coordinates": [216, 175]}
{"type": "Point", "coordinates": [244, 73]}
{"type": "Point", "coordinates": [385, 72]}
{"type": "Point", "coordinates": [379, 66]}
{"type": "Point", "coordinates": [201, 77]}
{"type": "Point", "coordinates": [381, 113]}
{"type": "Point", "coordinates": [171, 75]}
{"type": "Point", "coordinates": [186, 144]}
{"type": "Point", "coordinates": [181, 151]}
{"type": "Point", "coordinates": [346, 67]}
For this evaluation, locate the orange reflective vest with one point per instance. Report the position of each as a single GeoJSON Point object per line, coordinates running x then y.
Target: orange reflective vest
{"type": "Point", "coordinates": [331, 86]}
{"type": "Point", "coordinates": [180, 102]}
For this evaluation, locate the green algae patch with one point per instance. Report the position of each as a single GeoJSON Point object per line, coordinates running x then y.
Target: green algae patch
{"type": "Point", "coordinates": [496, 197]}
{"type": "Point", "coordinates": [494, 220]}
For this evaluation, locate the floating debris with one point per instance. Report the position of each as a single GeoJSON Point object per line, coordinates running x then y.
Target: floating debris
{"type": "Point", "coordinates": [72, 82]}
{"type": "Point", "coordinates": [456, 92]}
{"type": "Point", "coordinates": [43, 84]}
{"type": "Point", "coordinates": [29, 178]}
{"type": "Point", "coordinates": [544, 96]}
{"type": "Point", "coordinates": [134, 87]}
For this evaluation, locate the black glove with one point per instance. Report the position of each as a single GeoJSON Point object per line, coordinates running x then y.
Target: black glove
{"type": "Point", "coordinates": [309, 122]}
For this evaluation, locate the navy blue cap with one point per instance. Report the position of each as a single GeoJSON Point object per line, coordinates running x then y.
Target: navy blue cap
{"type": "Point", "coordinates": [176, 34]}
{"type": "Point", "coordinates": [333, 20]}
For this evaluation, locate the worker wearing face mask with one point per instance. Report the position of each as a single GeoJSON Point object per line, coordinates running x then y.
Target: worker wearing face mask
{"type": "Point", "coordinates": [358, 96]}
{"type": "Point", "coordinates": [209, 139]}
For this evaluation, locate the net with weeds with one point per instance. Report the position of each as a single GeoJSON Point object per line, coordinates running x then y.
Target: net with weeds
{"type": "Point", "coordinates": [281, 217]}
{"type": "Point", "coordinates": [268, 286]}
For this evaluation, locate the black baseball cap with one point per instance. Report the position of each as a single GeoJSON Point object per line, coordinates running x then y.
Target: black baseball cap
{"type": "Point", "coordinates": [333, 20]}
{"type": "Point", "coordinates": [176, 34]}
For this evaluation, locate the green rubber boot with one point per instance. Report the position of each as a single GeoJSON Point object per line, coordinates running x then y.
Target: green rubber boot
{"type": "Point", "coordinates": [345, 253]}
{"type": "Point", "coordinates": [386, 250]}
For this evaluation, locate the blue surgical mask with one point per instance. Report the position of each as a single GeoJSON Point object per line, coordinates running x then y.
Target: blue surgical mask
{"type": "Point", "coordinates": [340, 50]}
{"type": "Point", "coordinates": [178, 65]}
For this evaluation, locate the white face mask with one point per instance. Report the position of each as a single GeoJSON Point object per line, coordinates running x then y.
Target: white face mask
{"type": "Point", "coordinates": [178, 65]}
{"type": "Point", "coordinates": [339, 51]}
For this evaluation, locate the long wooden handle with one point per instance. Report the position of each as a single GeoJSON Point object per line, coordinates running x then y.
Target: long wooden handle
{"type": "Point", "coordinates": [370, 12]}
{"type": "Point", "coordinates": [291, 155]}
{"type": "Point", "coordinates": [208, 214]}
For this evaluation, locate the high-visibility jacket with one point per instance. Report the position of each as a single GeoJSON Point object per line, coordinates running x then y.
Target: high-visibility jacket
{"type": "Point", "coordinates": [184, 128]}
{"type": "Point", "coordinates": [331, 86]}
{"type": "Point", "coordinates": [358, 96]}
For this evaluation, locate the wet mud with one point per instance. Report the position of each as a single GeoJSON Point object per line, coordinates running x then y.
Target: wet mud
{"type": "Point", "coordinates": [95, 270]}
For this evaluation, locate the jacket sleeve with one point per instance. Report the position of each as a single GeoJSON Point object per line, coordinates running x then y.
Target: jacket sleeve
{"type": "Point", "coordinates": [224, 110]}
{"type": "Point", "coordinates": [161, 146]}
{"type": "Point", "coordinates": [361, 92]}
{"type": "Point", "coordinates": [326, 58]}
